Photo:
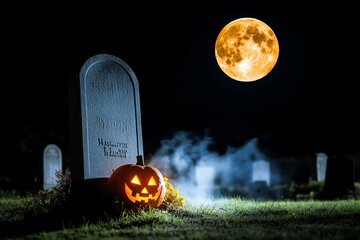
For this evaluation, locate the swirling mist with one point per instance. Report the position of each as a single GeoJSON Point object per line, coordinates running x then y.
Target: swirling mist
{"type": "Point", "coordinates": [201, 173]}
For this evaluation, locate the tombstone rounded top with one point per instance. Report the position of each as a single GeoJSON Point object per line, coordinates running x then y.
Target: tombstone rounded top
{"type": "Point", "coordinates": [52, 146]}
{"type": "Point", "coordinates": [106, 57]}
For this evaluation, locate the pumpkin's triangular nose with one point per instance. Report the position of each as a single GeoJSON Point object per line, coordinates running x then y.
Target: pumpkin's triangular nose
{"type": "Point", "coordinates": [145, 190]}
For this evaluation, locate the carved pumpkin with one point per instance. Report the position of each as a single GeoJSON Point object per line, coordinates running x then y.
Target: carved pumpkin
{"type": "Point", "coordinates": [137, 186]}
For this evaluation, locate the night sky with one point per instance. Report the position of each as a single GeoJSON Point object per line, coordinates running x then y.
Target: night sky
{"type": "Point", "coordinates": [308, 103]}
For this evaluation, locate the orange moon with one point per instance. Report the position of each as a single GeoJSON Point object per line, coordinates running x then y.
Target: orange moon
{"type": "Point", "coordinates": [246, 49]}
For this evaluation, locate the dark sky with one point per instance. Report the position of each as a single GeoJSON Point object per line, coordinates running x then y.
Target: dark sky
{"type": "Point", "coordinates": [308, 102]}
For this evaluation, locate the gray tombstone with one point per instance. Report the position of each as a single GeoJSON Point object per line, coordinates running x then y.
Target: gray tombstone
{"type": "Point", "coordinates": [261, 171]}
{"type": "Point", "coordinates": [110, 115]}
{"type": "Point", "coordinates": [340, 178]}
{"type": "Point", "coordinates": [52, 164]}
{"type": "Point", "coordinates": [205, 179]}
{"type": "Point", "coordinates": [321, 163]}
{"type": "Point", "coordinates": [259, 188]}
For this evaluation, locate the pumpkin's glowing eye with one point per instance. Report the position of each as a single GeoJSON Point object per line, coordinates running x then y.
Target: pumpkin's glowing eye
{"type": "Point", "coordinates": [152, 182]}
{"type": "Point", "coordinates": [136, 180]}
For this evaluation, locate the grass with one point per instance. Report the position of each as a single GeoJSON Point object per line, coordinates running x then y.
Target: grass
{"type": "Point", "coordinates": [25, 217]}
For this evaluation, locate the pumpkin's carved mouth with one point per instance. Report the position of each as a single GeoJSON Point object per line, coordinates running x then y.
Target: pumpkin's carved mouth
{"type": "Point", "coordinates": [139, 198]}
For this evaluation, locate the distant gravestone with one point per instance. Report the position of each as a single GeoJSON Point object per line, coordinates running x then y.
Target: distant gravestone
{"type": "Point", "coordinates": [321, 163]}
{"type": "Point", "coordinates": [259, 188]}
{"type": "Point", "coordinates": [340, 178]}
{"type": "Point", "coordinates": [52, 164]}
{"type": "Point", "coordinates": [110, 113]}
{"type": "Point", "coordinates": [205, 177]}
{"type": "Point", "coordinates": [261, 171]}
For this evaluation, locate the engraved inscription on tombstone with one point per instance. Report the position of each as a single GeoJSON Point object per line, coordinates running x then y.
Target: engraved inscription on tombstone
{"type": "Point", "coordinates": [110, 115]}
{"type": "Point", "coordinates": [52, 164]}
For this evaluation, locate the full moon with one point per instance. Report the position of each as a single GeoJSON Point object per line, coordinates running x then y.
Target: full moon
{"type": "Point", "coordinates": [246, 49]}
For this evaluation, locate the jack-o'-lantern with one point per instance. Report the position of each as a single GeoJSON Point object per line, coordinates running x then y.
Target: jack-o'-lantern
{"type": "Point", "coordinates": [138, 186]}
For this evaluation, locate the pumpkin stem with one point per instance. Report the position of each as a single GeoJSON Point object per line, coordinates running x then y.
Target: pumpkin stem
{"type": "Point", "coordinates": [139, 160]}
